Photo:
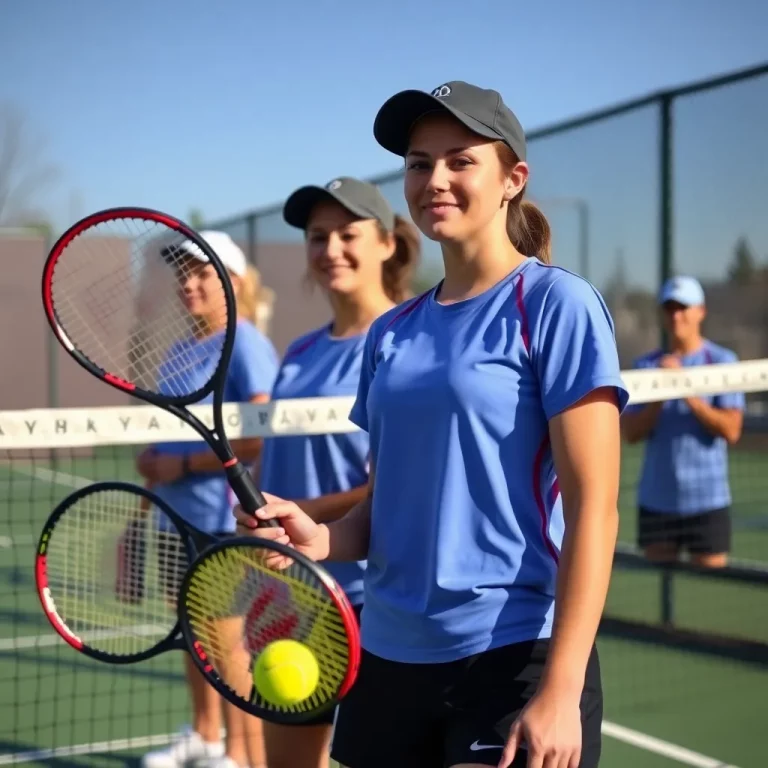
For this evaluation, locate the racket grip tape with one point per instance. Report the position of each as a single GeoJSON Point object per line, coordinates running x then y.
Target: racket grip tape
{"type": "Point", "coordinates": [249, 496]}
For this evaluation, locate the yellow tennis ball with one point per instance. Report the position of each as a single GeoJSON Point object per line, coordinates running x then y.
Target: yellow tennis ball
{"type": "Point", "coordinates": [286, 672]}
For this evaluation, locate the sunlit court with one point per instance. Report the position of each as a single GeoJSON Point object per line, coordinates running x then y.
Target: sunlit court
{"type": "Point", "coordinates": [651, 177]}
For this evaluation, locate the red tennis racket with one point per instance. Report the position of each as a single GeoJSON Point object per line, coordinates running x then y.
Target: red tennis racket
{"type": "Point", "coordinates": [142, 302]}
{"type": "Point", "coordinates": [174, 587]}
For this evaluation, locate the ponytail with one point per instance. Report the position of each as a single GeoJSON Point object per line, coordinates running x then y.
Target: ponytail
{"type": "Point", "coordinates": [398, 270]}
{"type": "Point", "coordinates": [254, 300]}
{"type": "Point", "coordinates": [527, 226]}
{"type": "Point", "coordinates": [529, 230]}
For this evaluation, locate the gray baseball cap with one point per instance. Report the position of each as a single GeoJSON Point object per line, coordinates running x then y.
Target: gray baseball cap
{"type": "Point", "coordinates": [358, 197]}
{"type": "Point", "coordinates": [481, 110]}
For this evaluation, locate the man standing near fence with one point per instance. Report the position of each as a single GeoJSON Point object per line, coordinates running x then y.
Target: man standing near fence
{"type": "Point", "coordinates": [684, 494]}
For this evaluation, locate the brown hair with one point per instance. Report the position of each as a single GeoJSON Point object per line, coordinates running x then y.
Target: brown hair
{"type": "Point", "coordinates": [397, 271]}
{"type": "Point", "coordinates": [527, 226]}
{"type": "Point", "coordinates": [253, 297]}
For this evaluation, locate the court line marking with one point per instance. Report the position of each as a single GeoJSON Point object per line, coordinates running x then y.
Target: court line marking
{"type": "Point", "coordinates": [661, 747]}
{"type": "Point", "coordinates": [618, 732]}
{"type": "Point", "coordinates": [52, 639]}
{"type": "Point", "coordinates": [52, 476]}
{"type": "Point", "coordinates": [114, 745]}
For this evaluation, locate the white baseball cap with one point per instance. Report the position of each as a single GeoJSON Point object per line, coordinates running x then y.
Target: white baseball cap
{"type": "Point", "coordinates": [231, 255]}
{"type": "Point", "coordinates": [684, 290]}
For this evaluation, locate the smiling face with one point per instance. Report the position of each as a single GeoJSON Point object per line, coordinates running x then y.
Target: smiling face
{"type": "Point", "coordinates": [345, 253]}
{"type": "Point", "coordinates": [455, 184]}
{"type": "Point", "coordinates": [202, 293]}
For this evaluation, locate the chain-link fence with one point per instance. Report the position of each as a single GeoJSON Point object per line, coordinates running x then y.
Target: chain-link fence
{"type": "Point", "coordinates": [674, 183]}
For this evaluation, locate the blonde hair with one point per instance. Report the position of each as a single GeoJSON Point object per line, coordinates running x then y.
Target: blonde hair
{"type": "Point", "coordinates": [255, 300]}
{"type": "Point", "coordinates": [527, 226]}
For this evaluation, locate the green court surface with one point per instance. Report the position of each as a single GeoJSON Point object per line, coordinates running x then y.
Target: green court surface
{"type": "Point", "coordinates": [664, 707]}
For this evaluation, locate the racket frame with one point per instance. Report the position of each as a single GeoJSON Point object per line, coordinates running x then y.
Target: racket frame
{"type": "Point", "coordinates": [335, 592]}
{"type": "Point", "coordinates": [200, 547]}
{"type": "Point", "coordinates": [239, 479]}
{"type": "Point", "coordinates": [193, 540]}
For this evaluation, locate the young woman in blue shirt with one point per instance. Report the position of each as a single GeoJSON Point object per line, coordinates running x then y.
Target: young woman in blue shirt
{"type": "Point", "coordinates": [362, 256]}
{"type": "Point", "coordinates": [188, 476]}
{"type": "Point", "coordinates": [492, 406]}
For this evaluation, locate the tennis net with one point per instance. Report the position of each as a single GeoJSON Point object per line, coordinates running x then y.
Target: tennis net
{"type": "Point", "coordinates": [684, 652]}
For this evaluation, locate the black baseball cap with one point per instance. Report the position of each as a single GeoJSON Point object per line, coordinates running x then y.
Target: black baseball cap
{"type": "Point", "coordinates": [480, 109]}
{"type": "Point", "coordinates": [358, 197]}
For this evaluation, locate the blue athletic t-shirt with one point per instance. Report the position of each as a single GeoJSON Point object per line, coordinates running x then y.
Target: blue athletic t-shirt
{"type": "Point", "coordinates": [466, 521]}
{"type": "Point", "coordinates": [308, 466]}
{"type": "Point", "coordinates": [685, 467]}
{"type": "Point", "coordinates": [204, 498]}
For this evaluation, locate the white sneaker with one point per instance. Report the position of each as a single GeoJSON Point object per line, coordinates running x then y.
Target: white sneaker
{"type": "Point", "coordinates": [218, 762]}
{"type": "Point", "coordinates": [187, 747]}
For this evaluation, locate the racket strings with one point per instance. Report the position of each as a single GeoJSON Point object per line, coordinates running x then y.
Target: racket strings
{"type": "Point", "coordinates": [113, 575]}
{"type": "Point", "coordinates": [236, 606]}
{"type": "Point", "coordinates": [119, 295]}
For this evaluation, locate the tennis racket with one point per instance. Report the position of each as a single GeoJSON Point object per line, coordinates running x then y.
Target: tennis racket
{"type": "Point", "coordinates": [142, 302]}
{"type": "Point", "coordinates": [185, 590]}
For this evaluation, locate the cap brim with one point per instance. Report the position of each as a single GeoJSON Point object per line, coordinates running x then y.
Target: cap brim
{"type": "Point", "coordinates": [684, 301]}
{"type": "Point", "coordinates": [185, 248]}
{"type": "Point", "coordinates": [396, 118]}
{"type": "Point", "coordinates": [298, 207]}
{"type": "Point", "coordinates": [666, 299]}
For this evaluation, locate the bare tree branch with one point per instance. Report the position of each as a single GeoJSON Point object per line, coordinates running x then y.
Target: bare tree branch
{"type": "Point", "coordinates": [24, 170]}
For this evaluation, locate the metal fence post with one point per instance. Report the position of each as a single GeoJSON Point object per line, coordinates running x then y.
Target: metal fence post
{"type": "Point", "coordinates": [666, 193]}
{"type": "Point", "coordinates": [251, 237]}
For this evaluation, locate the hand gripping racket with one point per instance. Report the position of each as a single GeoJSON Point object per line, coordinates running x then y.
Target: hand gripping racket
{"type": "Point", "coordinates": [143, 303]}
{"type": "Point", "coordinates": [223, 609]}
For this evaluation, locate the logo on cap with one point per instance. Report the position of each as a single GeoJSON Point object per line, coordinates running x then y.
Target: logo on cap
{"type": "Point", "coordinates": [334, 185]}
{"type": "Point", "coordinates": [442, 91]}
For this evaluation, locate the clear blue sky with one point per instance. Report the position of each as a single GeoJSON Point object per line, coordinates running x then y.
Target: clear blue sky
{"type": "Point", "coordinates": [230, 105]}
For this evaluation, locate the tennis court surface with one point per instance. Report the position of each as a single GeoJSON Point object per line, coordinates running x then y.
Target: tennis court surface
{"type": "Point", "coordinates": [684, 654]}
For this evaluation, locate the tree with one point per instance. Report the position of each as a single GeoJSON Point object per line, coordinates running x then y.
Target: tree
{"type": "Point", "coordinates": [195, 218]}
{"type": "Point", "coordinates": [24, 171]}
{"type": "Point", "coordinates": [744, 264]}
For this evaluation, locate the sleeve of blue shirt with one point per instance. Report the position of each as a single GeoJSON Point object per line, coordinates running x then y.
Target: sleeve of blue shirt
{"type": "Point", "coordinates": [638, 363]}
{"type": "Point", "coordinates": [359, 413]}
{"type": "Point", "coordinates": [254, 364]}
{"type": "Point", "coordinates": [728, 399]}
{"type": "Point", "coordinates": [573, 348]}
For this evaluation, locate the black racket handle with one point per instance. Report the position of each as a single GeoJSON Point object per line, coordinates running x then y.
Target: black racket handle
{"type": "Point", "coordinates": [249, 496]}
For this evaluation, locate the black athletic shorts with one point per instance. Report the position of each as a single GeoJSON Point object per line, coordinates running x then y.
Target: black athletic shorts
{"type": "Point", "coordinates": [441, 715]}
{"type": "Point", "coordinates": [707, 533]}
{"type": "Point", "coordinates": [327, 718]}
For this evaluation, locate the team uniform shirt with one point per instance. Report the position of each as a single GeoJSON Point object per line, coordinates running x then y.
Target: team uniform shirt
{"type": "Point", "coordinates": [685, 467]}
{"type": "Point", "coordinates": [467, 520]}
{"type": "Point", "coordinates": [204, 499]}
{"type": "Point", "coordinates": [305, 467]}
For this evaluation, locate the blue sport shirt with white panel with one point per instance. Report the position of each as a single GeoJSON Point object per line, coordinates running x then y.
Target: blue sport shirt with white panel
{"type": "Point", "coordinates": [466, 519]}
{"type": "Point", "coordinates": [204, 499]}
{"type": "Point", "coordinates": [685, 467]}
{"type": "Point", "coordinates": [308, 466]}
